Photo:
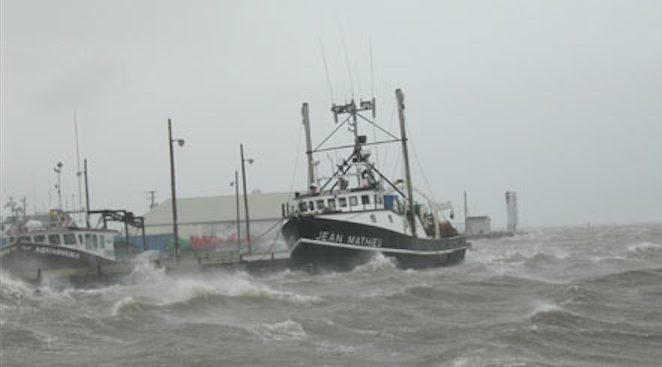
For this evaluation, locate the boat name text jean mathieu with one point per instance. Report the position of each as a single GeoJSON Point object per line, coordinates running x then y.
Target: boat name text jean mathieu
{"type": "Point", "coordinates": [350, 239]}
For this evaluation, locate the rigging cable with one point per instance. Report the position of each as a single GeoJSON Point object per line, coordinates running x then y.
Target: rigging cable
{"type": "Point", "coordinates": [344, 44]}
{"type": "Point", "coordinates": [372, 92]}
{"type": "Point", "coordinates": [418, 162]}
{"type": "Point", "coordinates": [390, 126]}
{"type": "Point", "coordinates": [296, 159]}
{"type": "Point", "coordinates": [326, 71]}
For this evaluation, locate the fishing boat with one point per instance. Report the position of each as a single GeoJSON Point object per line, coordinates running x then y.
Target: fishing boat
{"type": "Point", "coordinates": [357, 212]}
{"type": "Point", "coordinates": [54, 244]}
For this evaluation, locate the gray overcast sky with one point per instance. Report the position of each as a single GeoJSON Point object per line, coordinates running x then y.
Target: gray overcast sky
{"type": "Point", "coordinates": [558, 100]}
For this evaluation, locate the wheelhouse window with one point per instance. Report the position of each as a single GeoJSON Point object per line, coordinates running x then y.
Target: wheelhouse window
{"type": "Point", "coordinates": [90, 241]}
{"type": "Point", "coordinates": [302, 206]}
{"type": "Point", "coordinates": [24, 239]}
{"type": "Point", "coordinates": [102, 241]}
{"type": "Point", "coordinates": [54, 239]}
{"type": "Point", "coordinates": [40, 238]}
{"type": "Point", "coordinates": [342, 202]}
{"type": "Point", "coordinates": [70, 239]}
{"type": "Point", "coordinates": [365, 199]}
{"type": "Point", "coordinates": [331, 203]}
{"type": "Point", "coordinates": [320, 204]}
{"type": "Point", "coordinates": [353, 201]}
{"type": "Point", "coordinates": [311, 205]}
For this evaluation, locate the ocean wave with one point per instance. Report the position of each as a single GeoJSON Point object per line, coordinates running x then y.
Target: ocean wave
{"type": "Point", "coordinates": [644, 249]}
{"type": "Point", "coordinates": [378, 262]}
{"type": "Point", "coordinates": [552, 315]}
{"type": "Point", "coordinates": [285, 331]}
{"type": "Point", "coordinates": [335, 348]}
{"type": "Point", "coordinates": [575, 294]}
{"type": "Point", "coordinates": [12, 289]}
{"type": "Point", "coordinates": [626, 278]}
{"type": "Point", "coordinates": [124, 305]}
{"type": "Point", "coordinates": [544, 308]}
{"type": "Point", "coordinates": [162, 290]}
{"type": "Point", "coordinates": [144, 271]}
{"type": "Point", "coordinates": [518, 257]}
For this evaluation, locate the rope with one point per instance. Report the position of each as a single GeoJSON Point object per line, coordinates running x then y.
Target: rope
{"type": "Point", "coordinates": [420, 168]}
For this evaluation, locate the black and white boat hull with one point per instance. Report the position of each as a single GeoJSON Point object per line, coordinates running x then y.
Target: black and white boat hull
{"type": "Point", "coordinates": [342, 245]}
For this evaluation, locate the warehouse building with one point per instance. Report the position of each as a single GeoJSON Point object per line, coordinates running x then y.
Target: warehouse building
{"type": "Point", "coordinates": [478, 226]}
{"type": "Point", "coordinates": [210, 223]}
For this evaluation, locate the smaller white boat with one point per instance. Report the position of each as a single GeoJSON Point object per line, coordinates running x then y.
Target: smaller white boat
{"type": "Point", "coordinates": [55, 245]}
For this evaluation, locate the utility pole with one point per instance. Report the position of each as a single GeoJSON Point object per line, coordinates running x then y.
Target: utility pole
{"type": "Point", "coordinates": [236, 199]}
{"type": "Point", "coordinates": [25, 208]}
{"type": "Point", "coordinates": [58, 170]}
{"type": "Point", "coordinates": [243, 174]}
{"type": "Point", "coordinates": [152, 198]}
{"type": "Point", "coordinates": [403, 133]}
{"type": "Point", "coordinates": [173, 191]}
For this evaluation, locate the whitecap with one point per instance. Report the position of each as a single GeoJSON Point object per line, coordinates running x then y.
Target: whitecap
{"type": "Point", "coordinates": [377, 262]}
{"type": "Point", "coordinates": [288, 330]}
{"type": "Point", "coordinates": [644, 247]}
{"type": "Point", "coordinates": [124, 305]}
{"type": "Point", "coordinates": [543, 307]}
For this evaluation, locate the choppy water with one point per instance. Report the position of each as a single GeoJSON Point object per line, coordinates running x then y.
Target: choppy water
{"type": "Point", "coordinates": [554, 297]}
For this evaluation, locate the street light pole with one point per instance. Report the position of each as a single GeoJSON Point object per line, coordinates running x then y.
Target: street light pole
{"type": "Point", "coordinates": [236, 198]}
{"type": "Point", "coordinates": [173, 191]}
{"type": "Point", "coordinates": [243, 174]}
{"type": "Point", "coordinates": [58, 170]}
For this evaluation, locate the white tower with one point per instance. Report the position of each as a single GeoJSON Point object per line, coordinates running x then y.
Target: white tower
{"type": "Point", "coordinates": [511, 212]}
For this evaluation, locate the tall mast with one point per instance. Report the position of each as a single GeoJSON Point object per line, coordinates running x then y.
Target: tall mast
{"type": "Point", "coordinates": [78, 172]}
{"type": "Point", "coordinates": [309, 146]}
{"type": "Point", "coordinates": [403, 133]}
{"type": "Point", "coordinates": [87, 195]}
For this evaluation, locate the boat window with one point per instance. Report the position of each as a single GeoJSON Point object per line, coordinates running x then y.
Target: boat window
{"type": "Point", "coordinates": [373, 218]}
{"type": "Point", "coordinates": [88, 241]}
{"type": "Point", "coordinates": [12, 239]}
{"type": "Point", "coordinates": [302, 206]}
{"type": "Point", "coordinates": [320, 204]}
{"type": "Point", "coordinates": [342, 202]}
{"type": "Point", "coordinates": [390, 218]}
{"type": "Point", "coordinates": [380, 200]}
{"type": "Point", "coordinates": [54, 239]}
{"type": "Point", "coordinates": [40, 238]}
{"type": "Point", "coordinates": [353, 201]}
{"type": "Point", "coordinates": [311, 205]}
{"type": "Point", "coordinates": [365, 199]}
{"type": "Point", "coordinates": [80, 239]}
{"type": "Point", "coordinates": [24, 239]}
{"type": "Point", "coordinates": [69, 239]}
{"type": "Point", "coordinates": [331, 203]}
{"type": "Point", "coordinates": [102, 241]}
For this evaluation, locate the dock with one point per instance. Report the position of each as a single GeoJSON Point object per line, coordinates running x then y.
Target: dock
{"type": "Point", "coordinates": [254, 263]}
